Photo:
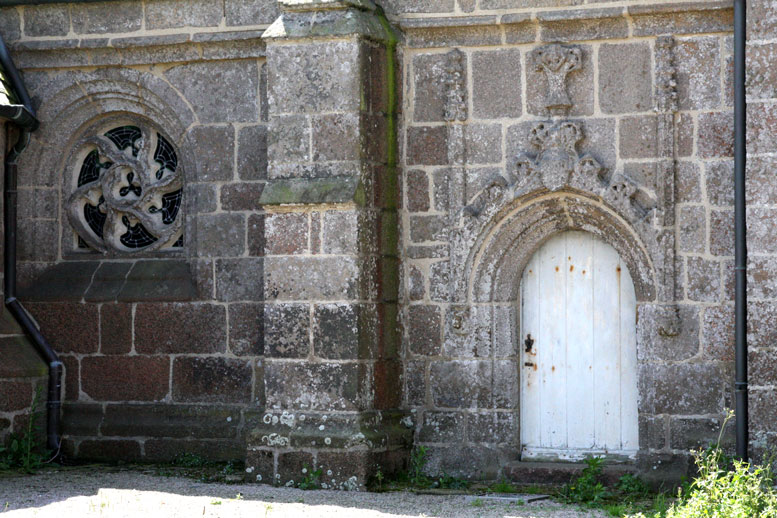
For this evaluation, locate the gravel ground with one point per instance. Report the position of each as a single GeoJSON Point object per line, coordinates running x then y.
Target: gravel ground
{"type": "Point", "coordinates": [99, 491]}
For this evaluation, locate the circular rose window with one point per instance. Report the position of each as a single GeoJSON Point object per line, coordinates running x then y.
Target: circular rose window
{"type": "Point", "coordinates": [128, 192]}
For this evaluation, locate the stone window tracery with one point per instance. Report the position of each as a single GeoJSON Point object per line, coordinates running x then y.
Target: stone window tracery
{"type": "Point", "coordinates": [128, 192]}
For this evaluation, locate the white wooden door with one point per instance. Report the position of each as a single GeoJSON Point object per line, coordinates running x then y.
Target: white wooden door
{"type": "Point", "coordinates": [579, 377]}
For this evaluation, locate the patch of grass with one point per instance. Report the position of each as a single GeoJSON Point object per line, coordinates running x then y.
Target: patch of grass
{"type": "Point", "coordinates": [503, 486]}
{"type": "Point", "coordinates": [446, 481]}
{"type": "Point", "coordinates": [190, 460]}
{"type": "Point", "coordinates": [24, 451]}
{"type": "Point", "coordinates": [477, 503]}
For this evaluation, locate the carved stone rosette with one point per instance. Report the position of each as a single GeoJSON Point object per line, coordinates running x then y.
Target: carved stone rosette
{"type": "Point", "coordinates": [128, 193]}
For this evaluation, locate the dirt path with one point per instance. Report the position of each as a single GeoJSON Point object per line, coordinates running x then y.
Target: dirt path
{"type": "Point", "coordinates": [91, 491]}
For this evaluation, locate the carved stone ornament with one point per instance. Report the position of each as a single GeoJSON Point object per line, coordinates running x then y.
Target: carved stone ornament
{"type": "Point", "coordinates": [128, 193]}
{"type": "Point", "coordinates": [456, 98]}
{"type": "Point", "coordinates": [557, 61]}
{"type": "Point", "coordinates": [557, 157]}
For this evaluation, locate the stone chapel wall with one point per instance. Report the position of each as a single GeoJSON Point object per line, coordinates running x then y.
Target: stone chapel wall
{"type": "Point", "coordinates": [183, 350]}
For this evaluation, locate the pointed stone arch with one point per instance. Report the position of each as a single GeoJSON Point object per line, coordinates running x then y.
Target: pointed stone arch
{"type": "Point", "coordinates": [498, 260]}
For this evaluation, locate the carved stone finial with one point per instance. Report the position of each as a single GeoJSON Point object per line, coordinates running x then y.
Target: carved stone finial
{"type": "Point", "coordinates": [557, 61]}
{"type": "Point", "coordinates": [557, 157]}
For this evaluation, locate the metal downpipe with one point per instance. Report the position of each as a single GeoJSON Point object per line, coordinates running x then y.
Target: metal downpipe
{"type": "Point", "coordinates": [26, 121]}
{"type": "Point", "coordinates": [740, 230]}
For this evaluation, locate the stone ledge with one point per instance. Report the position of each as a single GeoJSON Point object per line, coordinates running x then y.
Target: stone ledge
{"type": "Point", "coordinates": [138, 50]}
{"type": "Point", "coordinates": [319, 5]}
{"type": "Point", "coordinates": [576, 14]}
{"type": "Point", "coordinates": [351, 22]}
{"type": "Point", "coordinates": [303, 191]}
{"type": "Point", "coordinates": [104, 281]}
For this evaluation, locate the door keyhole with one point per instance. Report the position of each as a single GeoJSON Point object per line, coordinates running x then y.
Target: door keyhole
{"type": "Point", "coordinates": [529, 342]}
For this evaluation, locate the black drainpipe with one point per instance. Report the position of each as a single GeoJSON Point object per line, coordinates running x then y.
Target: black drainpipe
{"type": "Point", "coordinates": [740, 228]}
{"type": "Point", "coordinates": [23, 116]}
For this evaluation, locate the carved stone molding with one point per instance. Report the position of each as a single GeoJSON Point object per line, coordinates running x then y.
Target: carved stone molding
{"type": "Point", "coordinates": [557, 61]}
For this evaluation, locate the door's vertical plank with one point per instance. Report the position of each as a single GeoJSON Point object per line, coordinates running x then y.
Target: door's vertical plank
{"type": "Point", "coordinates": [609, 275]}
{"type": "Point", "coordinates": [580, 340]}
{"type": "Point", "coordinates": [530, 386]}
{"type": "Point", "coordinates": [628, 352]}
{"type": "Point", "coordinates": [551, 368]}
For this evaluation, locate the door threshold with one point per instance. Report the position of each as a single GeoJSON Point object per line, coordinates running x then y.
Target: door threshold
{"type": "Point", "coordinates": [559, 473]}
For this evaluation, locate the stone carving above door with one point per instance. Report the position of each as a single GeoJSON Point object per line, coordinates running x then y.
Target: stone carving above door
{"type": "Point", "coordinates": [557, 61]}
{"type": "Point", "coordinates": [557, 157]}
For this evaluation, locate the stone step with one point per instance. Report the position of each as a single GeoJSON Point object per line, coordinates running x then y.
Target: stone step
{"type": "Point", "coordinates": [559, 473]}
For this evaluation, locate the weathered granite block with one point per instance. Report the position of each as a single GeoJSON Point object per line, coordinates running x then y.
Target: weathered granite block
{"type": "Point", "coordinates": [115, 328]}
{"type": "Point", "coordinates": [424, 330]}
{"type": "Point", "coordinates": [125, 378]}
{"type": "Point", "coordinates": [654, 346]}
{"type": "Point", "coordinates": [461, 384]}
{"type": "Point", "coordinates": [252, 152]}
{"type": "Point", "coordinates": [241, 196]}
{"type": "Point", "coordinates": [288, 139]}
{"type": "Point", "coordinates": [311, 278]}
{"type": "Point", "coordinates": [212, 380]}
{"type": "Point", "coordinates": [246, 329]}
{"type": "Point", "coordinates": [235, 89]}
{"type": "Point", "coordinates": [704, 280]}
{"type": "Point", "coordinates": [314, 78]}
{"type": "Point", "coordinates": [287, 330]}
{"type": "Point", "coordinates": [168, 14]}
{"type": "Point", "coordinates": [286, 233]}
{"type": "Point", "coordinates": [46, 20]}
{"type": "Point", "coordinates": [427, 145]}
{"type": "Point", "coordinates": [493, 427]}
{"type": "Point", "coordinates": [345, 331]}
{"type": "Point", "coordinates": [250, 12]}
{"type": "Point", "coordinates": [625, 82]}
{"type": "Point", "coordinates": [74, 324]}
{"type": "Point", "coordinates": [240, 279]}
{"type": "Point", "coordinates": [164, 328]}
{"type": "Point", "coordinates": [638, 137]}
{"type": "Point", "coordinates": [106, 17]}
{"type": "Point", "coordinates": [496, 87]}
{"type": "Point", "coordinates": [692, 230]}
{"type": "Point", "coordinates": [690, 389]}
{"type": "Point", "coordinates": [220, 235]}
{"type": "Point", "coordinates": [716, 135]}
{"type": "Point", "coordinates": [320, 386]}
{"type": "Point", "coordinates": [698, 73]}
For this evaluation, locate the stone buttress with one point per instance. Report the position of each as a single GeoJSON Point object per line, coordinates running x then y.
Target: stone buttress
{"type": "Point", "coordinates": [331, 272]}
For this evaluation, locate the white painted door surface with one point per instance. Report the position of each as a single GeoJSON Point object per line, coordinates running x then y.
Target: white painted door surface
{"type": "Point", "coordinates": [579, 378]}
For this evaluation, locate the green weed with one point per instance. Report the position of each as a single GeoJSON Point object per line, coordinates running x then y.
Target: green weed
{"type": "Point", "coordinates": [587, 489]}
{"type": "Point", "coordinates": [24, 451]}
{"type": "Point", "coordinates": [311, 479]}
{"type": "Point", "coordinates": [744, 490]}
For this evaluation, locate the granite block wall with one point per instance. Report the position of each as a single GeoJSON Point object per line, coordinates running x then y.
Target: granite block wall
{"type": "Point", "coordinates": [163, 350]}
{"type": "Point", "coordinates": [352, 249]}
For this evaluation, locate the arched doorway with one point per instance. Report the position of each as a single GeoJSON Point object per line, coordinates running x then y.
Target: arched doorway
{"type": "Point", "coordinates": [578, 351]}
